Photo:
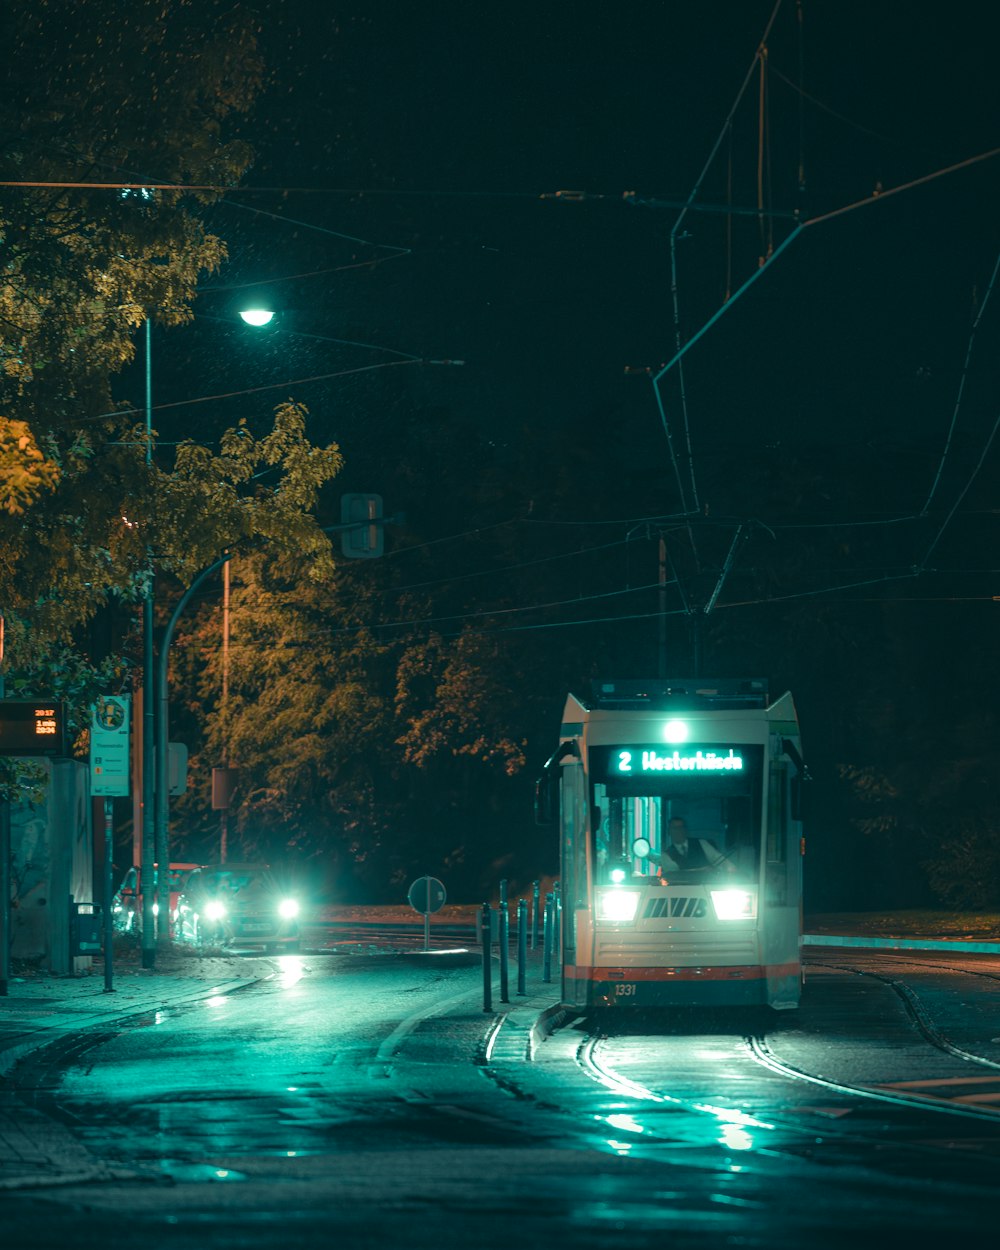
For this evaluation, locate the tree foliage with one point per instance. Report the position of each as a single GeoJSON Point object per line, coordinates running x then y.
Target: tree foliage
{"type": "Point", "coordinates": [97, 94]}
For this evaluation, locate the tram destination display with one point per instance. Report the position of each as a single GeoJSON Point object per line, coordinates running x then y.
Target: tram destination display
{"type": "Point", "coordinates": [32, 727]}
{"type": "Point", "coordinates": [731, 764]}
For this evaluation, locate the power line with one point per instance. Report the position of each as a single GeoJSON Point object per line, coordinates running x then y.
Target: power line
{"type": "Point", "coordinates": [531, 607]}
{"type": "Point", "coordinates": [961, 385]}
{"type": "Point", "coordinates": [504, 568]}
{"type": "Point", "coordinates": [272, 386]}
{"type": "Point", "coordinates": [964, 491]}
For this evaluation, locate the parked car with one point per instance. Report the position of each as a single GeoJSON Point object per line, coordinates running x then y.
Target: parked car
{"type": "Point", "coordinates": [126, 906]}
{"type": "Point", "coordinates": [240, 905]}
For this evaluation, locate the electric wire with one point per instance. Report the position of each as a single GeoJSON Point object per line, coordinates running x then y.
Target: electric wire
{"type": "Point", "coordinates": [964, 491]}
{"type": "Point", "coordinates": [961, 385]}
{"type": "Point", "coordinates": [531, 607]}
{"type": "Point", "coordinates": [694, 506]}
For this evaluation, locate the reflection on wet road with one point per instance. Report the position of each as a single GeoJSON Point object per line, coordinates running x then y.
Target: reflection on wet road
{"type": "Point", "coordinates": [372, 1099]}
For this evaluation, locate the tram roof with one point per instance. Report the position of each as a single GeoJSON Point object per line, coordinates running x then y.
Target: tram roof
{"type": "Point", "coordinates": [677, 694]}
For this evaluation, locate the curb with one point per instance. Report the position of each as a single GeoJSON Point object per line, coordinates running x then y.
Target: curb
{"type": "Point", "coordinates": [903, 944]}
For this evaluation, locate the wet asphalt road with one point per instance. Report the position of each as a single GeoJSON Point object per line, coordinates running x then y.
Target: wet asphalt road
{"type": "Point", "coordinates": [369, 1101]}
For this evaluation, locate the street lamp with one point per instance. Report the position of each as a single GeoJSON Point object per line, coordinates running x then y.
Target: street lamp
{"type": "Point", "coordinates": [148, 842]}
{"type": "Point", "coordinates": [155, 754]}
{"type": "Point", "coordinates": [256, 316]}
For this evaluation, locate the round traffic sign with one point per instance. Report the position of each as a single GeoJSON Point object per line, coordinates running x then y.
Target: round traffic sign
{"type": "Point", "coordinates": [427, 895]}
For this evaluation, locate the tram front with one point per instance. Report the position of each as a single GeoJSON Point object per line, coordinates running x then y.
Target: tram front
{"type": "Point", "coordinates": [681, 871]}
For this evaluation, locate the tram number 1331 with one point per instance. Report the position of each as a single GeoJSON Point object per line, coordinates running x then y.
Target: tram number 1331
{"type": "Point", "coordinates": [624, 989]}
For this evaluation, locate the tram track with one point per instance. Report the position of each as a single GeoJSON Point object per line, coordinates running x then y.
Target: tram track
{"type": "Point", "coordinates": [596, 1057]}
{"type": "Point", "coordinates": [915, 1011]}
{"type": "Point", "coordinates": [762, 1054]}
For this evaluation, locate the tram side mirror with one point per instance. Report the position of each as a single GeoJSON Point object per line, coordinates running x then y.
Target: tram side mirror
{"type": "Point", "coordinates": [545, 800]}
{"type": "Point", "coordinates": [641, 848]}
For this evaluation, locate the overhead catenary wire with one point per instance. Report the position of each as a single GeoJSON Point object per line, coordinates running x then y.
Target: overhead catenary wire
{"type": "Point", "coordinates": [961, 495]}
{"type": "Point", "coordinates": [694, 504]}
{"type": "Point", "coordinates": [961, 386]}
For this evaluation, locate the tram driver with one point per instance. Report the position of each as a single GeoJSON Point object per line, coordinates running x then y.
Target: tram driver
{"type": "Point", "coordinates": [686, 852]}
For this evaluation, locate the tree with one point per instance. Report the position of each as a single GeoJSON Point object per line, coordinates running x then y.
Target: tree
{"type": "Point", "coordinates": [89, 98]}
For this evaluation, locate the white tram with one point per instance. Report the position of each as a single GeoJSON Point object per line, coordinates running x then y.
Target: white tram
{"type": "Point", "coordinates": [715, 767]}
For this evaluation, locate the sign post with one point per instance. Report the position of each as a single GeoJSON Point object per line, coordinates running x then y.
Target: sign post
{"type": "Point", "coordinates": [109, 778]}
{"type": "Point", "coordinates": [427, 895]}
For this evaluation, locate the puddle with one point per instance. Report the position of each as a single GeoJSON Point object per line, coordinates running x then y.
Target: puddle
{"type": "Point", "coordinates": [181, 1170]}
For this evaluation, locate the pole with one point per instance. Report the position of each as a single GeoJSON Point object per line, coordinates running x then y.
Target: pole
{"type": "Point", "coordinates": [427, 916]}
{"type": "Point", "coordinates": [4, 865]}
{"type": "Point", "coordinates": [109, 954]}
{"type": "Point", "coordinates": [4, 896]}
{"type": "Point", "coordinates": [503, 932]}
{"type": "Point", "coordinates": [148, 844]}
{"type": "Point", "coordinates": [534, 914]}
{"type": "Point", "coordinates": [486, 937]}
{"type": "Point", "coordinates": [522, 944]}
{"type": "Point", "coordinates": [224, 709]}
{"type": "Point", "coordinates": [547, 941]}
{"type": "Point", "coordinates": [162, 732]}
{"type": "Point", "coordinates": [662, 648]}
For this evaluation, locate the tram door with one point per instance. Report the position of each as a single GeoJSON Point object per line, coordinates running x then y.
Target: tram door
{"type": "Point", "coordinates": [573, 871]}
{"type": "Point", "coordinates": [782, 888]}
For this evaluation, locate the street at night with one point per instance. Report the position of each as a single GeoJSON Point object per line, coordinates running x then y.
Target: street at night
{"type": "Point", "coordinates": [368, 1098]}
{"type": "Point", "coordinates": [470, 471]}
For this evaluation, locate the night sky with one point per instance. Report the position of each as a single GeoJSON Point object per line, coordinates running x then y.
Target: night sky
{"type": "Point", "coordinates": [404, 198]}
{"type": "Point", "coordinates": [438, 134]}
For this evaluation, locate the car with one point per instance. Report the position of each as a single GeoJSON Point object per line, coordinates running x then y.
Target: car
{"type": "Point", "coordinates": [237, 905]}
{"type": "Point", "coordinates": [126, 905]}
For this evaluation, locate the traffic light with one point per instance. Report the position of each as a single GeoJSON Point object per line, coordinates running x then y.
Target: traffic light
{"type": "Point", "coordinates": [366, 539]}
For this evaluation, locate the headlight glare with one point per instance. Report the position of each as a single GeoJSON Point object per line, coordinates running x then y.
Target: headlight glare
{"type": "Point", "coordinates": [617, 906]}
{"type": "Point", "coordinates": [214, 909]}
{"type": "Point", "coordinates": [288, 908]}
{"type": "Point", "coordinates": [735, 904]}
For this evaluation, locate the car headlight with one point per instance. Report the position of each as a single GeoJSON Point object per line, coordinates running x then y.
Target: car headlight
{"type": "Point", "coordinates": [735, 904]}
{"type": "Point", "coordinates": [214, 910]}
{"type": "Point", "coordinates": [288, 908]}
{"type": "Point", "coordinates": [617, 906]}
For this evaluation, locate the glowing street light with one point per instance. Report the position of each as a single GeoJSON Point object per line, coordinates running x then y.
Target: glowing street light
{"type": "Point", "coordinates": [256, 316]}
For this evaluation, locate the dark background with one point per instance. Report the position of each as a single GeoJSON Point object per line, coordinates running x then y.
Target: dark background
{"type": "Point", "coordinates": [404, 198]}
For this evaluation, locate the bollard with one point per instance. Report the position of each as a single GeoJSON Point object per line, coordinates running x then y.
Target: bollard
{"type": "Point", "coordinates": [503, 934]}
{"type": "Point", "coordinates": [522, 944]}
{"type": "Point", "coordinates": [547, 941]}
{"type": "Point", "coordinates": [534, 914]}
{"type": "Point", "coordinates": [486, 936]}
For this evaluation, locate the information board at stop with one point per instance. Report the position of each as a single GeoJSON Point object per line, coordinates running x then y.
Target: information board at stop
{"type": "Point", "coordinates": [427, 895]}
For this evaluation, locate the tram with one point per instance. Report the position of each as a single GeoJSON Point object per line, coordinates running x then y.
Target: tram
{"type": "Point", "coordinates": [644, 772]}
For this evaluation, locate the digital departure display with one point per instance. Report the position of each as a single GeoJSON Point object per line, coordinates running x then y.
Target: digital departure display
{"type": "Point", "coordinates": [32, 727]}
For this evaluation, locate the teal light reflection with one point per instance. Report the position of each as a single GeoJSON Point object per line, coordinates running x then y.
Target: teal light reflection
{"type": "Point", "coordinates": [733, 1137]}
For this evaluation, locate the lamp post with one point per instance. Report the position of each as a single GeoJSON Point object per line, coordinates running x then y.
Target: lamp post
{"type": "Point", "coordinates": [156, 746]}
{"type": "Point", "coordinates": [162, 704]}
{"type": "Point", "coordinates": [361, 514]}
{"type": "Point", "coordinates": [148, 845]}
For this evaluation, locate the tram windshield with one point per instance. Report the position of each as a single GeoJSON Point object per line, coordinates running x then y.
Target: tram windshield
{"type": "Point", "coordinates": [676, 817]}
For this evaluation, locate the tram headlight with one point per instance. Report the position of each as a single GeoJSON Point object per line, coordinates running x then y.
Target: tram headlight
{"type": "Point", "coordinates": [214, 909]}
{"type": "Point", "coordinates": [288, 908]}
{"type": "Point", "coordinates": [735, 904]}
{"type": "Point", "coordinates": [617, 906]}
